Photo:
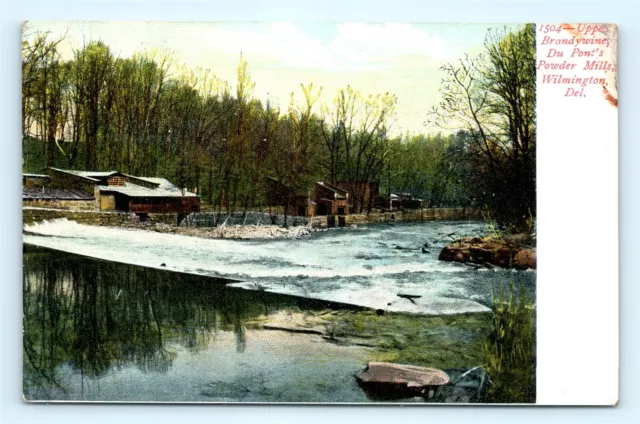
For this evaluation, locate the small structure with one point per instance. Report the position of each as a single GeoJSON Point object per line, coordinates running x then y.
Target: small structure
{"type": "Point", "coordinates": [397, 202]}
{"type": "Point", "coordinates": [405, 201]}
{"type": "Point", "coordinates": [330, 200]}
{"type": "Point", "coordinates": [112, 191]}
{"type": "Point", "coordinates": [326, 199]}
{"type": "Point", "coordinates": [362, 193]}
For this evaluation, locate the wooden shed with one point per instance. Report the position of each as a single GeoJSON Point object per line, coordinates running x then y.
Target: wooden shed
{"type": "Point", "coordinates": [116, 191]}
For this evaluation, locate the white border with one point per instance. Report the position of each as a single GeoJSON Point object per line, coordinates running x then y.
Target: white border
{"type": "Point", "coordinates": [13, 410]}
{"type": "Point", "coordinates": [577, 186]}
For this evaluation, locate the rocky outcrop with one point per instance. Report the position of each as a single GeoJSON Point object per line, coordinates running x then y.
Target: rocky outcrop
{"type": "Point", "coordinates": [514, 251]}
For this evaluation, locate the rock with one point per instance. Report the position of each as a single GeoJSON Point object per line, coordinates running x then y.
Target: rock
{"type": "Point", "coordinates": [503, 257]}
{"type": "Point", "coordinates": [382, 380]}
{"type": "Point", "coordinates": [525, 259]}
{"type": "Point", "coordinates": [498, 251]}
{"type": "Point", "coordinates": [403, 248]}
{"type": "Point", "coordinates": [481, 255]}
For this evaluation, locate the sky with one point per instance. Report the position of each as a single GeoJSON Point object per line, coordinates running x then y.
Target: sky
{"type": "Point", "coordinates": [398, 58]}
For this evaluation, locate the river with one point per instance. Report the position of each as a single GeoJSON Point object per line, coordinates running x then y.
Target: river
{"type": "Point", "coordinates": [366, 266]}
{"type": "Point", "coordinates": [154, 317]}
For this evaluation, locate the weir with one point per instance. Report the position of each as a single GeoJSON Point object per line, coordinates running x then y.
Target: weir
{"type": "Point", "coordinates": [366, 266]}
{"type": "Point", "coordinates": [210, 219]}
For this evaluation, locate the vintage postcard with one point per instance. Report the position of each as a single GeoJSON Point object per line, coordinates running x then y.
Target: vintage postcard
{"type": "Point", "coordinates": [294, 212]}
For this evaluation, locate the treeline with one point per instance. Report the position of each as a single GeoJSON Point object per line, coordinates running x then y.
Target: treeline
{"type": "Point", "coordinates": [492, 98]}
{"type": "Point", "coordinates": [145, 116]}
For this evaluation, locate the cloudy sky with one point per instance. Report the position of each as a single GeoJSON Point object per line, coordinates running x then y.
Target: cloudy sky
{"type": "Point", "coordinates": [399, 58]}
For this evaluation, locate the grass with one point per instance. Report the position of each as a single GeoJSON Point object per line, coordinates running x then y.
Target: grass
{"type": "Point", "coordinates": [502, 342]}
{"type": "Point", "coordinates": [430, 341]}
{"type": "Point", "coordinates": [509, 352]}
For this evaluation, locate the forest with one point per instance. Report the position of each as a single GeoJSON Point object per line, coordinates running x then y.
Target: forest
{"type": "Point", "coordinates": [147, 115]}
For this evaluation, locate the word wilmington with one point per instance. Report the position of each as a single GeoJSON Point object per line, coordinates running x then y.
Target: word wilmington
{"type": "Point", "coordinates": [559, 79]}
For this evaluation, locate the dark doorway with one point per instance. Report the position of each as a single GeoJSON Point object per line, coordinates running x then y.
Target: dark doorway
{"type": "Point", "coordinates": [323, 209]}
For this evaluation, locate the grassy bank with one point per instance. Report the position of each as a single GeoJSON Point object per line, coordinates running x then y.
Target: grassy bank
{"type": "Point", "coordinates": [510, 350]}
{"type": "Point", "coordinates": [502, 342]}
{"type": "Point", "coordinates": [431, 341]}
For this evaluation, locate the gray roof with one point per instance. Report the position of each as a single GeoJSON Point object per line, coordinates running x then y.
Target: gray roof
{"type": "Point", "coordinates": [80, 174]}
{"type": "Point", "coordinates": [166, 189]}
{"type": "Point", "coordinates": [337, 190]}
{"type": "Point", "coordinates": [97, 174]}
{"type": "Point", "coordinates": [161, 182]}
{"type": "Point", "coordinates": [54, 194]}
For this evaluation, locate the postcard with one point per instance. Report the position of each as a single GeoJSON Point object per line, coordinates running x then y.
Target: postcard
{"type": "Point", "coordinates": [281, 212]}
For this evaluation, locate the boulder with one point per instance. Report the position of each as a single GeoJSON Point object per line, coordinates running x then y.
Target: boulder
{"type": "Point", "coordinates": [505, 252]}
{"type": "Point", "coordinates": [525, 259]}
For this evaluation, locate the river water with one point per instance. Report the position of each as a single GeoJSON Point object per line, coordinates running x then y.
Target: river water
{"type": "Point", "coordinates": [115, 324]}
{"type": "Point", "coordinates": [366, 266]}
{"type": "Point", "coordinates": [102, 331]}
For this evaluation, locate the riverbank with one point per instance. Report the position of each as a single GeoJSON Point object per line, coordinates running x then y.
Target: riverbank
{"type": "Point", "coordinates": [394, 337]}
{"type": "Point", "coordinates": [453, 344]}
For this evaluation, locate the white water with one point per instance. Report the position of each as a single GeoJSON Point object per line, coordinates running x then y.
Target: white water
{"type": "Point", "coordinates": [357, 266]}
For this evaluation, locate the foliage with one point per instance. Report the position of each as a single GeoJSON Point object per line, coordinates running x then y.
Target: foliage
{"type": "Point", "coordinates": [426, 167]}
{"type": "Point", "coordinates": [355, 133]}
{"type": "Point", "coordinates": [509, 354]}
{"type": "Point", "coordinates": [147, 115]}
{"type": "Point", "coordinates": [492, 98]}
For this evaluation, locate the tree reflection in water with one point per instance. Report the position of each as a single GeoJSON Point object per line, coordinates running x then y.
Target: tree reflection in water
{"type": "Point", "coordinates": [96, 316]}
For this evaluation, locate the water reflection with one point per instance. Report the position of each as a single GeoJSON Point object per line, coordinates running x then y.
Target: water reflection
{"type": "Point", "coordinates": [95, 317]}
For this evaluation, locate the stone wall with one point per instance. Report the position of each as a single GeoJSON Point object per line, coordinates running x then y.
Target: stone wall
{"type": "Point", "coordinates": [77, 205]}
{"type": "Point", "coordinates": [91, 217]}
{"type": "Point", "coordinates": [165, 218]}
{"type": "Point", "coordinates": [113, 219]}
{"type": "Point", "coordinates": [435, 214]}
